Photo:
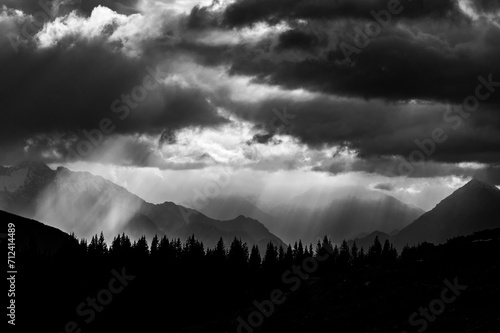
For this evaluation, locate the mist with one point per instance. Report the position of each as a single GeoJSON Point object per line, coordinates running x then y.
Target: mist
{"type": "Point", "coordinates": [80, 204]}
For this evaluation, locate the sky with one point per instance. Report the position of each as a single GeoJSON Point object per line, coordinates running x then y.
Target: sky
{"type": "Point", "coordinates": [261, 98]}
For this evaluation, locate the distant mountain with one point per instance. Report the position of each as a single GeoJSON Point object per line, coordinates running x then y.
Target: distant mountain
{"type": "Point", "coordinates": [19, 182]}
{"type": "Point", "coordinates": [229, 207]}
{"type": "Point", "coordinates": [367, 241]}
{"type": "Point", "coordinates": [85, 204]}
{"type": "Point", "coordinates": [360, 235]}
{"type": "Point", "coordinates": [473, 207]}
{"type": "Point", "coordinates": [347, 213]}
{"type": "Point", "coordinates": [340, 215]}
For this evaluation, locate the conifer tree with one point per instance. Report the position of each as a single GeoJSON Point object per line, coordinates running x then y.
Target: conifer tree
{"type": "Point", "coordinates": [255, 259]}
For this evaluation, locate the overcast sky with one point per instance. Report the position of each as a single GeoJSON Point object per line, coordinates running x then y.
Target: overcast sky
{"type": "Point", "coordinates": [282, 95]}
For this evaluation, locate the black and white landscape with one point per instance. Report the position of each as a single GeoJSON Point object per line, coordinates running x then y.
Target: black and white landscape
{"type": "Point", "coordinates": [250, 165]}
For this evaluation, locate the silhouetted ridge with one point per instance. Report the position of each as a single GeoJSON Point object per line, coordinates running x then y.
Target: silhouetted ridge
{"type": "Point", "coordinates": [471, 208]}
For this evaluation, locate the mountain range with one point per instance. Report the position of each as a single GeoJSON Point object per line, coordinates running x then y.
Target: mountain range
{"type": "Point", "coordinates": [343, 216]}
{"type": "Point", "coordinates": [473, 207]}
{"type": "Point", "coordinates": [85, 204]}
{"type": "Point", "coordinates": [343, 213]}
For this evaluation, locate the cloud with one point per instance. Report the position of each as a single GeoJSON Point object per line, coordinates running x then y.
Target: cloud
{"type": "Point", "coordinates": [168, 137]}
{"type": "Point", "coordinates": [394, 66]}
{"type": "Point", "coordinates": [377, 128]}
{"type": "Point", "coordinates": [384, 187]}
{"type": "Point", "coordinates": [64, 7]}
{"type": "Point", "coordinates": [127, 33]}
{"type": "Point", "coordinates": [396, 167]}
{"type": "Point", "coordinates": [482, 7]}
{"type": "Point", "coordinates": [264, 138]}
{"type": "Point", "coordinates": [226, 66]}
{"type": "Point", "coordinates": [246, 12]}
{"type": "Point", "coordinates": [72, 90]}
{"type": "Point", "coordinates": [203, 17]}
{"type": "Point", "coordinates": [301, 40]}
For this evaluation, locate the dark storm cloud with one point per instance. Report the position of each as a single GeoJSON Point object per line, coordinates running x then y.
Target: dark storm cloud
{"type": "Point", "coordinates": [429, 52]}
{"type": "Point", "coordinates": [375, 129]}
{"type": "Point", "coordinates": [301, 40]}
{"type": "Point", "coordinates": [486, 6]}
{"type": "Point", "coordinates": [202, 17]}
{"type": "Point", "coordinates": [435, 58]}
{"type": "Point", "coordinates": [247, 12]}
{"type": "Point", "coordinates": [67, 91]}
{"type": "Point", "coordinates": [391, 167]}
{"type": "Point", "coordinates": [384, 186]}
{"type": "Point", "coordinates": [264, 138]}
{"type": "Point", "coordinates": [63, 7]}
{"type": "Point", "coordinates": [397, 65]}
{"type": "Point", "coordinates": [168, 137]}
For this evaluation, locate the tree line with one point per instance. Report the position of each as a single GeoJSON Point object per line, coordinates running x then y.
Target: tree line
{"type": "Point", "coordinates": [238, 255]}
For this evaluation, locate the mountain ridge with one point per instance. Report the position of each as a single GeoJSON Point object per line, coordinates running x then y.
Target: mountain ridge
{"type": "Point", "coordinates": [46, 195]}
{"type": "Point", "coordinates": [344, 217]}
{"type": "Point", "coordinates": [470, 208]}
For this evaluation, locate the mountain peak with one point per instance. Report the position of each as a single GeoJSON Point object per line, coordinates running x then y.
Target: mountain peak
{"type": "Point", "coordinates": [22, 175]}
{"type": "Point", "coordinates": [471, 208]}
{"type": "Point", "coordinates": [477, 182]}
{"type": "Point", "coordinates": [477, 185]}
{"type": "Point", "coordinates": [62, 169]}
